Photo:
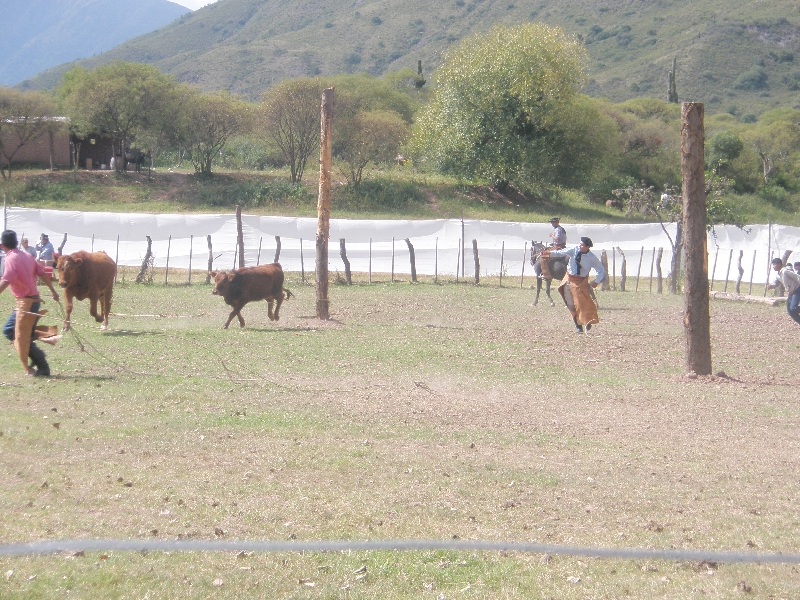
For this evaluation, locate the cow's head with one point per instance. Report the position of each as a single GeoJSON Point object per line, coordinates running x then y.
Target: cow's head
{"type": "Point", "coordinates": [222, 282]}
{"type": "Point", "coordinates": [69, 270]}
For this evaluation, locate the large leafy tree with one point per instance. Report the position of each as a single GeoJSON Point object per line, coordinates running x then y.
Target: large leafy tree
{"type": "Point", "coordinates": [290, 117]}
{"type": "Point", "coordinates": [24, 117]}
{"type": "Point", "coordinates": [207, 122]}
{"type": "Point", "coordinates": [495, 111]}
{"type": "Point", "coordinates": [125, 100]}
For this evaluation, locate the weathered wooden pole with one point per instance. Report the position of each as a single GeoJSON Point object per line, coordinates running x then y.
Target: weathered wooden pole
{"type": "Point", "coordinates": [239, 236]}
{"type": "Point", "coordinates": [623, 276]}
{"type": "Point", "coordinates": [752, 272]}
{"type": "Point", "coordinates": [741, 273]}
{"type": "Point", "coordinates": [392, 259]}
{"type": "Point", "coordinates": [524, 257]}
{"type": "Point", "coordinates": [659, 285]}
{"type": "Point", "coordinates": [502, 253]}
{"type": "Point", "coordinates": [191, 247]}
{"type": "Point", "coordinates": [639, 270]}
{"type": "Point", "coordinates": [277, 249]}
{"type": "Point", "coordinates": [343, 253]}
{"type": "Point", "coordinates": [728, 273]}
{"type": "Point", "coordinates": [324, 203]}
{"type": "Point", "coordinates": [166, 269]}
{"type": "Point", "coordinates": [458, 259]}
{"type": "Point", "coordinates": [652, 268]}
{"type": "Point", "coordinates": [412, 257]}
{"type": "Point", "coordinates": [604, 261]}
{"type": "Point", "coordinates": [369, 272]}
{"type": "Point", "coordinates": [477, 261]}
{"type": "Point", "coordinates": [258, 256]}
{"type": "Point", "coordinates": [210, 260]}
{"type": "Point", "coordinates": [302, 263]}
{"type": "Point", "coordinates": [436, 261]}
{"type": "Point", "coordinates": [696, 313]}
{"type": "Point", "coordinates": [92, 242]}
{"type": "Point", "coordinates": [116, 261]}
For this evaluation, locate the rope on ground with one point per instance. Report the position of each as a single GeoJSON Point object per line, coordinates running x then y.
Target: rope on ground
{"type": "Point", "coordinates": [708, 556]}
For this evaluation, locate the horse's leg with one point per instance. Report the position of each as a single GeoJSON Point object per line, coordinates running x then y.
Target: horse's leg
{"type": "Point", "coordinates": [547, 291]}
{"type": "Point", "coordinates": [538, 289]}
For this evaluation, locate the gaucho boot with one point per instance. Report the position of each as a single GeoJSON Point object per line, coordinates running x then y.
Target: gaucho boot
{"type": "Point", "coordinates": [39, 360]}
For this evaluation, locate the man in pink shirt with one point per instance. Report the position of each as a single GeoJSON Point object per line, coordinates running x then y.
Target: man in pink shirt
{"type": "Point", "coordinates": [20, 273]}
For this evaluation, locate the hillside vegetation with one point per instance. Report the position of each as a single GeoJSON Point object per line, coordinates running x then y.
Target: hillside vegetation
{"type": "Point", "coordinates": [735, 56]}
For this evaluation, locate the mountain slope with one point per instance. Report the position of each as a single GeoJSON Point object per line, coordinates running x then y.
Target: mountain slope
{"type": "Point", "coordinates": [729, 52]}
{"type": "Point", "coordinates": [39, 34]}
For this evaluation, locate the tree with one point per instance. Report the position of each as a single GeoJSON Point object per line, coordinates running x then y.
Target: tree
{"type": "Point", "coordinates": [123, 100]}
{"type": "Point", "coordinates": [208, 122]}
{"type": "Point", "coordinates": [494, 112]}
{"type": "Point", "coordinates": [24, 117]}
{"type": "Point", "coordinates": [368, 136]}
{"type": "Point", "coordinates": [775, 138]}
{"type": "Point", "coordinates": [289, 115]}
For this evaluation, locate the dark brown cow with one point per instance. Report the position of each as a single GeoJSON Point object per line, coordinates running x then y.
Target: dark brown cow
{"type": "Point", "coordinates": [87, 275]}
{"type": "Point", "coordinates": [250, 284]}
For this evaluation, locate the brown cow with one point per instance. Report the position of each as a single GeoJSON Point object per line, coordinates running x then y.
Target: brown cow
{"type": "Point", "coordinates": [250, 284]}
{"type": "Point", "coordinates": [87, 275]}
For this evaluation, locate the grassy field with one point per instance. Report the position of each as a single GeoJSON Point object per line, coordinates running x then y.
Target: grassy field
{"type": "Point", "coordinates": [418, 411]}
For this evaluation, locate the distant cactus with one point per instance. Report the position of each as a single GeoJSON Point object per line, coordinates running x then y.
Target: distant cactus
{"type": "Point", "coordinates": [420, 81]}
{"type": "Point", "coordinates": [672, 94]}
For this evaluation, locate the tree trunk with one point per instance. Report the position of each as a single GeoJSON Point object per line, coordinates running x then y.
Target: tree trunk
{"type": "Point", "coordinates": [659, 284]}
{"type": "Point", "coordinates": [696, 314]}
{"type": "Point", "coordinates": [324, 203]}
{"type": "Point", "coordinates": [477, 261]}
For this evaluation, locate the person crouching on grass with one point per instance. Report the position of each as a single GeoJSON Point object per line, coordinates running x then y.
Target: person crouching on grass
{"type": "Point", "coordinates": [20, 273]}
{"type": "Point", "coordinates": [791, 281]}
{"type": "Point", "coordinates": [574, 288]}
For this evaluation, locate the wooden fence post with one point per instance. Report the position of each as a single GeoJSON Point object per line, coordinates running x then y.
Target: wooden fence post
{"type": "Point", "coordinates": [696, 313]}
{"type": "Point", "coordinates": [116, 260]}
{"type": "Point", "coordinates": [604, 261]}
{"type": "Point", "coordinates": [436, 261]}
{"type": "Point", "coordinates": [728, 273]}
{"type": "Point", "coordinates": [258, 256]}
{"type": "Point", "coordinates": [166, 269]}
{"type": "Point", "coordinates": [524, 258]}
{"type": "Point", "coordinates": [714, 270]}
{"type": "Point", "coordinates": [191, 248]}
{"type": "Point", "coordinates": [412, 258]}
{"type": "Point", "coordinates": [210, 260]}
{"type": "Point", "coordinates": [369, 273]}
{"type": "Point", "coordinates": [741, 272]}
{"type": "Point", "coordinates": [752, 272]}
{"type": "Point", "coordinates": [477, 262]}
{"type": "Point", "coordinates": [277, 249]}
{"type": "Point", "coordinates": [458, 259]}
{"type": "Point", "coordinates": [392, 259]}
{"type": "Point", "coordinates": [639, 271]}
{"type": "Point", "coordinates": [660, 284]}
{"type": "Point", "coordinates": [343, 254]}
{"type": "Point", "coordinates": [324, 203]}
{"type": "Point", "coordinates": [623, 276]}
{"type": "Point", "coordinates": [652, 266]}
{"type": "Point", "coordinates": [502, 253]}
{"type": "Point", "coordinates": [239, 238]}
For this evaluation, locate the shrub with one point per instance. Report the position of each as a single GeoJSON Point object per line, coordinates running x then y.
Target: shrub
{"type": "Point", "coordinates": [380, 195]}
{"type": "Point", "coordinates": [751, 80]}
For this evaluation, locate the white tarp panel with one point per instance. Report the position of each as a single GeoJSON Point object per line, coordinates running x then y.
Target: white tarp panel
{"type": "Point", "coordinates": [372, 243]}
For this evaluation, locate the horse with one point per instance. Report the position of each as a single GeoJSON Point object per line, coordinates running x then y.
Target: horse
{"type": "Point", "coordinates": [558, 268]}
{"type": "Point", "coordinates": [137, 157]}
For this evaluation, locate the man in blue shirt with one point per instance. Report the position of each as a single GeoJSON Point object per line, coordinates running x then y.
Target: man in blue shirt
{"type": "Point", "coordinates": [574, 289]}
{"type": "Point", "coordinates": [45, 249]}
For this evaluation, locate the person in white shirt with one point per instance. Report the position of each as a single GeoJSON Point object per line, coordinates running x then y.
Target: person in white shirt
{"type": "Point", "coordinates": [790, 281]}
{"type": "Point", "coordinates": [574, 288]}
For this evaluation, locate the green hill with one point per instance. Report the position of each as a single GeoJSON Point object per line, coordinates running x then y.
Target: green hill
{"type": "Point", "coordinates": [734, 55]}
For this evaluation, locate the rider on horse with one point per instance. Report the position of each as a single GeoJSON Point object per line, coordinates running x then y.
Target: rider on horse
{"type": "Point", "coordinates": [559, 237]}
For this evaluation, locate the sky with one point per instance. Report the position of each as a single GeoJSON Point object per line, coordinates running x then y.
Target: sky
{"type": "Point", "coordinates": [193, 4]}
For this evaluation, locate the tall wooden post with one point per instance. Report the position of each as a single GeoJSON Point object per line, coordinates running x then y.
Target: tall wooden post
{"type": "Point", "coordinates": [324, 203]}
{"type": "Point", "coordinates": [239, 236]}
{"type": "Point", "coordinates": [696, 314]}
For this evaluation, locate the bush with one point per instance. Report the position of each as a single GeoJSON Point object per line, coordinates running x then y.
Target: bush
{"type": "Point", "coordinates": [380, 195]}
{"type": "Point", "coordinates": [278, 192]}
{"type": "Point", "coordinates": [751, 80]}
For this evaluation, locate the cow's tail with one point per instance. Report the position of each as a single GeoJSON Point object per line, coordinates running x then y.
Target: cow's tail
{"type": "Point", "coordinates": [288, 293]}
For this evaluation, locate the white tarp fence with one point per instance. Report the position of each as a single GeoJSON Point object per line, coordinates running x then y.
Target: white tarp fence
{"type": "Point", "coordinates": [369, 242]}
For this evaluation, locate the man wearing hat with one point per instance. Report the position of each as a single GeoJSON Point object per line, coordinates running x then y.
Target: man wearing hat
{"type": "Point", "coordinates": [45, 249]}
{"type": "Point", "coordinates": [559, 237]}
{"type": "Point", "coordinates": [20, 274]}
{"type": "Point", "coordinates": [574, 288]}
